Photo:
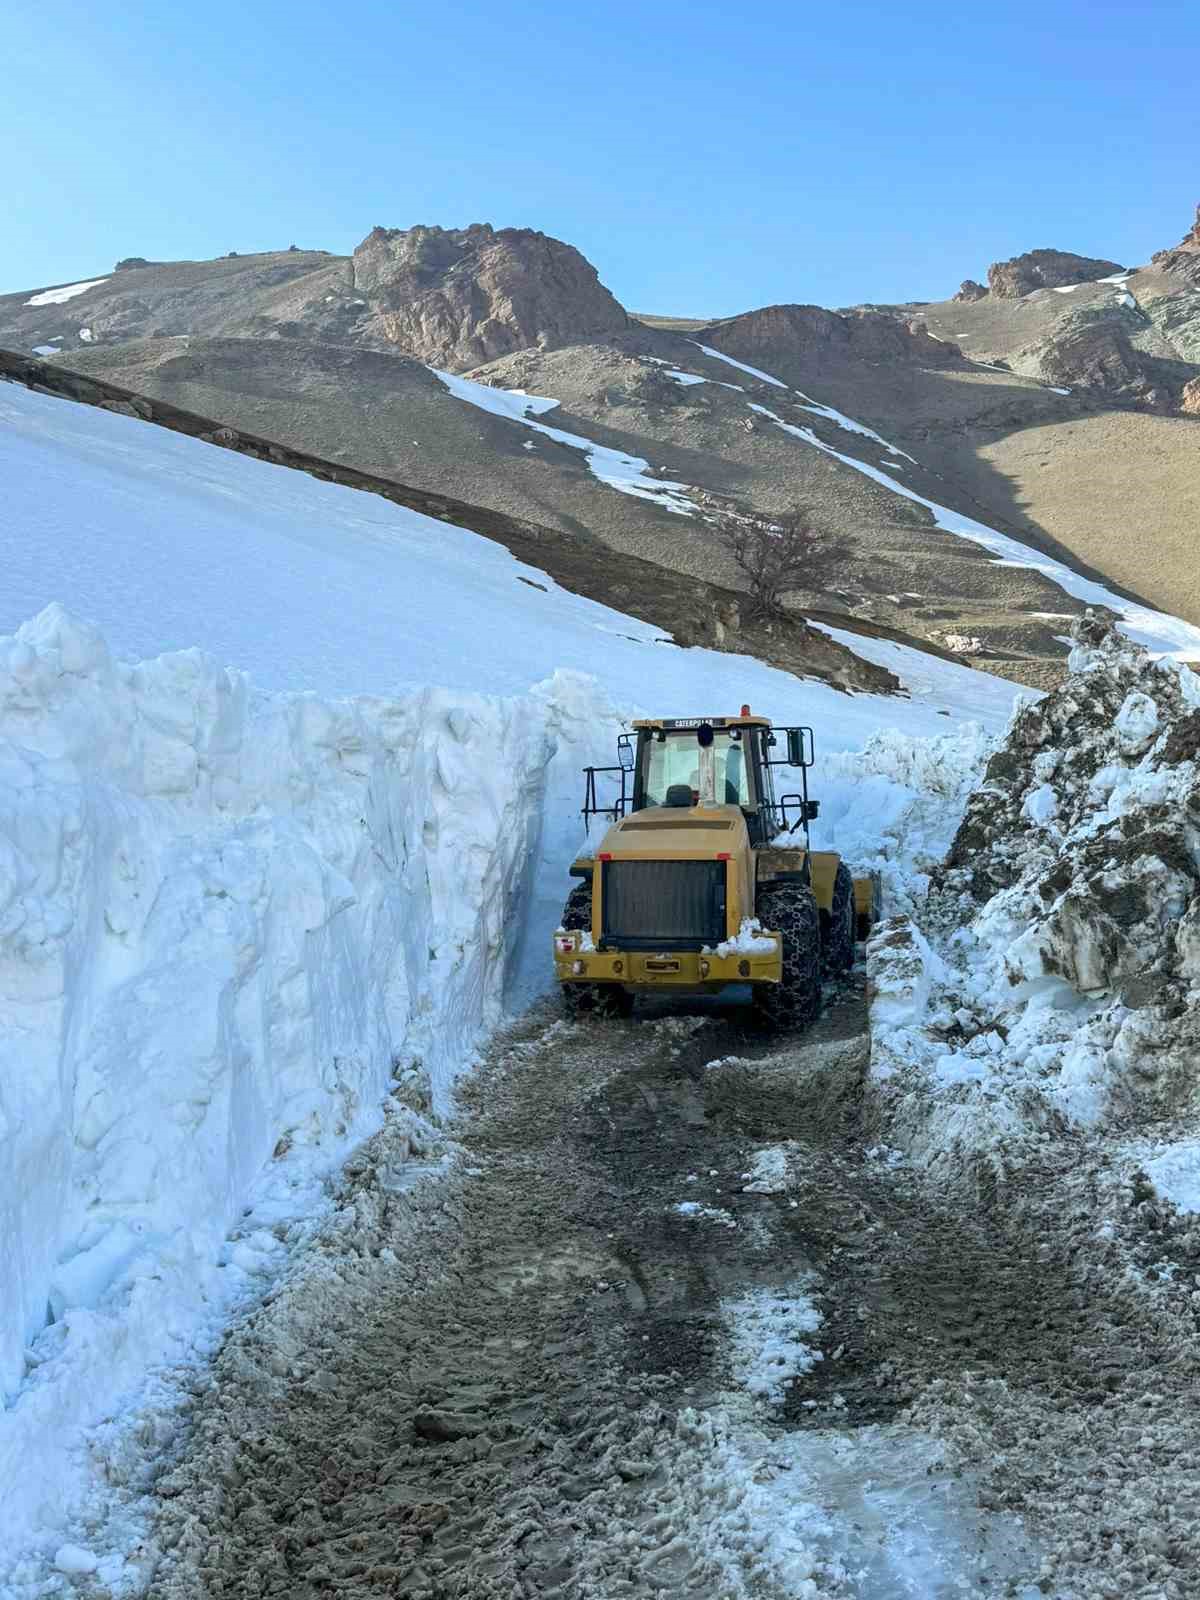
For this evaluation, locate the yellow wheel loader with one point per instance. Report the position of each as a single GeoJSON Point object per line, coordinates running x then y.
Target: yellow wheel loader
{"type": "Point", "coordinates": [705, 879]}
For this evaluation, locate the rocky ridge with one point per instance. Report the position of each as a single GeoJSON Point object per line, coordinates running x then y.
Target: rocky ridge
{"type": "Point", "coordinates": [458, 298]}
{"type": "Point", "coordinates": [1184, 258]}
{"type": "Point", "coordinates": [781, 336]}
{"type": "Point", "coordinates": [1045, 269]}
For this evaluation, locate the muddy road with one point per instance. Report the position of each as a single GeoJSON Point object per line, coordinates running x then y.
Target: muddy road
{"type": "Point", "coordinates": [671, 1320]}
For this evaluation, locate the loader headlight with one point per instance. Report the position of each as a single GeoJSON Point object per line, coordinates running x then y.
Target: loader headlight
{"type": "Point", "coordinates": [705, 969]}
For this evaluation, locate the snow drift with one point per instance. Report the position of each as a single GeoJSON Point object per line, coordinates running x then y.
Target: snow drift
{"type": "Point", "coordinates": [1053, 976]}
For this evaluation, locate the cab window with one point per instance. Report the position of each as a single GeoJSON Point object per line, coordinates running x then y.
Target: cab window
{"type": "Point", "coordinates": [672, 765]}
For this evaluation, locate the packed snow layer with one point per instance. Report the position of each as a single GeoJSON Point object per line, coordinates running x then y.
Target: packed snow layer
{"type": "Point", "coordinates": [629, 474]}
{"type": "Point", "coordinates": [58, 297]}
{"type": "Point", "coordinates": [232, 905]}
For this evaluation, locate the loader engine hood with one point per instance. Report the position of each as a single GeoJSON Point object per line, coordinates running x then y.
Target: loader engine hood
{"type": "Point", "coordinates": [665, 833]}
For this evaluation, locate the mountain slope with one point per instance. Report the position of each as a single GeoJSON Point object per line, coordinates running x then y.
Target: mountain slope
{"type": "Point", "coordinates": [655, 436]}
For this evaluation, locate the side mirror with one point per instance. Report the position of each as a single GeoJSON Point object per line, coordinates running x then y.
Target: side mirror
{"type": "Point", "coordinates": [796, 752]}
{"type": "Point", "coordinates": [625, 751]}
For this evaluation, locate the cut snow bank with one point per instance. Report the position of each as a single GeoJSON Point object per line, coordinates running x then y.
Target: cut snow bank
{"type": "Point", "coordinates": [224, 920]}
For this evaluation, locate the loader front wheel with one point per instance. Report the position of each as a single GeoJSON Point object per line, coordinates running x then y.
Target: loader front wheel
{"type": "Point", "coordinates": [595, 1000]}
{"type": "Point", "coordinates": [589, 999]}
{"type": "Point", "coordinates": [795, 1001]}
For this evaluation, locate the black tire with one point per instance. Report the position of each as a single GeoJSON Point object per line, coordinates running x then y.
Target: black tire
{"type": "Point", "coordinates": [577, 913]}
{"type": "Point", "coordinates": [791, 910]}
{"type": "Point", "coordinates": [840, 935]}
{"type": "Point", "coordinates": [589, 999]}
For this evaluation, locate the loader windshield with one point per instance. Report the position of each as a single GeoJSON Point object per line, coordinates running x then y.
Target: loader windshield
{"type": "Point", "coordinates": [671, 770]}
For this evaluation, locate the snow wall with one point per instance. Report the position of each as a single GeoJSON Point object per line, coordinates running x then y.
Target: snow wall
{"type": "Point", "coordinates": [225, 920]}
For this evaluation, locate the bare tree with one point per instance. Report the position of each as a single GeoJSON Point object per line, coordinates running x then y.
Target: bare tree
{"type": "Point", "coordinates": [775, 556]}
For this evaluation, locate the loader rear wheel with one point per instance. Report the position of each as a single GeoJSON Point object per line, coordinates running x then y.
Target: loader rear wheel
{"type": "Point", "coordinates": [840, 933]}
{"type": "Point", "coordinates": [589, 999]}
{"type": "Point", "coordinates": [795, 1000]}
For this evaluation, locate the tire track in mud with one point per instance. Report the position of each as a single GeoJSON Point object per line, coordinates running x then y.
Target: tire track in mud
{"type": "Point", "coordinates": [508, 1380]}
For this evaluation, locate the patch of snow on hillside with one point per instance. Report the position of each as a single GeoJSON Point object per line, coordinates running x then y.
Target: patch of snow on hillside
{"type": "Point", "coordinates": [58, 297]}
{"type": "Point", "coordinates": [619, 471]}
{"type": "Point", "coordinates": [850, 426]}
{"type": "Point", "coordinates": [46, 350]}
{"type": "Point", "coordinates": [755, 372]}
{"type": "Point", "coordinates": [685, 378]}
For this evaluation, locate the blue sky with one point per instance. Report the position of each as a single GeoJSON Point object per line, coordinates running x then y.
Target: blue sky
{"type": "Point", "coordinates": [705, 157]}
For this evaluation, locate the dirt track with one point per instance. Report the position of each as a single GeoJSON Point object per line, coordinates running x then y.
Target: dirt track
{"type": "Point", "coordinates": [515, 1378]}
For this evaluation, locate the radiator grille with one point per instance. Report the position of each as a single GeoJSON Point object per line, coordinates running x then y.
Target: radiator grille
{"type": "Point", "coordinates": [669, 905]}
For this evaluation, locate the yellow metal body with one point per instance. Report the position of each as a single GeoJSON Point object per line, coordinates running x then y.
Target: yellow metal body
{"type": "Point", "coordinates": [676, 970]}
{"type": "Point", "coordinates": [696, 833]}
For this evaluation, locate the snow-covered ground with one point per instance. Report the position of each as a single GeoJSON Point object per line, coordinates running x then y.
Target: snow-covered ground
{"type": "Point", "coordinates": [290, 782]}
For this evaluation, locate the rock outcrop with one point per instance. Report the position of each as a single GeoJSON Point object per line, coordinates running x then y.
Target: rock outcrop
{"type": "Point", "coordinates": [1183, 261]}
{"type": "Point", "coordinates": [1045, 269]}
{"type": "Point", "coordinates": [779, 337]}
{"type": "Point", "coordinates": [970, 290]}
{"type": "Point", "coordinates": [463, 296]}
{"type": "Point", "coordinates": [1189, 400]}
{"type": "Point", "coordinates": [1094, 349]}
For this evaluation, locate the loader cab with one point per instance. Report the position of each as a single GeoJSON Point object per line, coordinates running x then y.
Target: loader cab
{"type": "Point", "coordinates": [661, 764]}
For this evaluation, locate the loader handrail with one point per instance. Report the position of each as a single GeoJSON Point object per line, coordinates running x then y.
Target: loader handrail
{"type": "Point", "coordinates": [592, 807]}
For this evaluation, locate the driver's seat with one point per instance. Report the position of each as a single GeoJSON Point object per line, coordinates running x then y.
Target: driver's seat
{"type": "Point", "coordinates": [678, 794]}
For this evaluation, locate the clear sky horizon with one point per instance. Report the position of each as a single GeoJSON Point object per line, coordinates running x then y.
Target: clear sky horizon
{"type": "Point", "coordinates": [705, 161]}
